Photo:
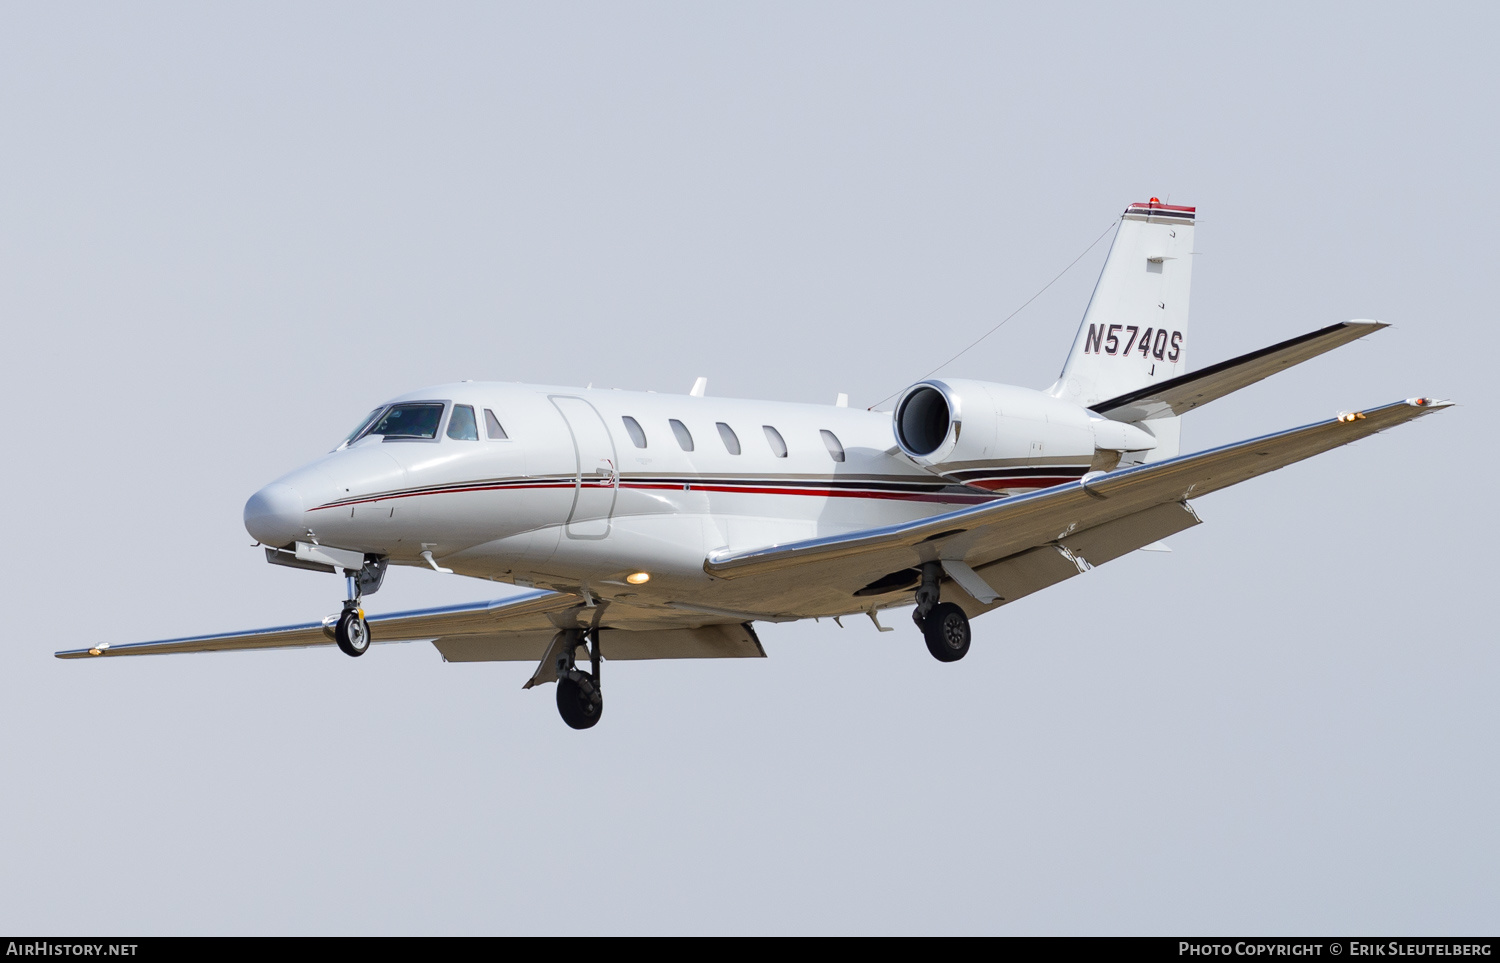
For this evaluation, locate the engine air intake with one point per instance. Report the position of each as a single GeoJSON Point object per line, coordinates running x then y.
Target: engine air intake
{"type": "Point", "coordinates": [923, 420]}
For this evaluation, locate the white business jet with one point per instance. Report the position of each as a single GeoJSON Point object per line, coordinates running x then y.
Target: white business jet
{"type": "Point", "coordinates": [654, 526]}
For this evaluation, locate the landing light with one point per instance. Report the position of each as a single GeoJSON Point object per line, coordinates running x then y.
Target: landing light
{"type": "Point", "coordinates": [638, 578]}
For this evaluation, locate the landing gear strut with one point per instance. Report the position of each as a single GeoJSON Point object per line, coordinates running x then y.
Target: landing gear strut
{"type": "Point", "coordinates": [944, 625]}
{"type": "Point", "coordinates": [579, 701]}
{"type": "Point", "coordinates": [351, 631]}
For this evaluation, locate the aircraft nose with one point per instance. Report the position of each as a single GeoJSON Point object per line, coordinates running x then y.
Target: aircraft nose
{"type": "Point", "coordinates": [273, 515]}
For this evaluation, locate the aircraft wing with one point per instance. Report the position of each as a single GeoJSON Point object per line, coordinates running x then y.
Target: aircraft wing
{"type": "Point", "coordinates": [520, 614]}
{"type": "Point", "coordinates": [515, 629]}
{"type": "Point", "coordinates": [1189, 391]}
{"type": "Point", "coordinates": [1023, 543]}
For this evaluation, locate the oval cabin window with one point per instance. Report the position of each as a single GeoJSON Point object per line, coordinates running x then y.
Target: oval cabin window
{"type": "Point", "coordinates": [832, 443]}
{"type": "Point", "coordinates": [634, 430]}
{"type": "Point", "coordinates": [731, 440]}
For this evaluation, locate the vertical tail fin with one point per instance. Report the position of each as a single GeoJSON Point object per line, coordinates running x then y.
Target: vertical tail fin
{"type": "Point", "coordinates": [1134, 332]}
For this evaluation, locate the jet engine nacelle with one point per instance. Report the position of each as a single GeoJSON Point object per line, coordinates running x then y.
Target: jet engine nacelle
{"type": "Point", "coordinates": [951, 426]}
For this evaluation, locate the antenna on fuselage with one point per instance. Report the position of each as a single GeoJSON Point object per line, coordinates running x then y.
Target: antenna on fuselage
{"type": "Point", "coordinates": [1112, 225]}
{"type": "Point", "coordinates": [699, 387]}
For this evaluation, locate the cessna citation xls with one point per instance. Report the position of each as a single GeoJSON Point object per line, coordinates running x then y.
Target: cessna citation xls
{"type": "Point", "coordinates": [657, 526]}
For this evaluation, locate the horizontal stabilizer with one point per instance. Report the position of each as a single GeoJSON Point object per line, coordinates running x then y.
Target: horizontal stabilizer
{"type": "Point", "coordinates": [1189, 391]}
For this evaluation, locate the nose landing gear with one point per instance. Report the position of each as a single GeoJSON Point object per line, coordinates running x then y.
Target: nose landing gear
{"type": "Point", "coordinates": [945, 626]}
{"type": "Point", "coordinates": [351, 632]}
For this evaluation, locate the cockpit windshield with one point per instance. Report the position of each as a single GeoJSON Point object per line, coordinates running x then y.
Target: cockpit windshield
{"type": "Point", "coordinates": [411, 420]}
{"type": "Point", "coordinates": [364, 426]}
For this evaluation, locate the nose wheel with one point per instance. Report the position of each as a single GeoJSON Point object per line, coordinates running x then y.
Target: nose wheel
{"type": "Point", "coordinates": [352, 632]}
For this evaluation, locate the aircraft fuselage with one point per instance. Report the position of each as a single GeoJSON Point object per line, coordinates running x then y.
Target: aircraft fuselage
{"type": "Point", "coordinates": [590, 486]}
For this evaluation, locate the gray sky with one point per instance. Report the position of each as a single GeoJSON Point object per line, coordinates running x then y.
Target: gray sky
{"type": "Point", "coordinates": [227, 232]}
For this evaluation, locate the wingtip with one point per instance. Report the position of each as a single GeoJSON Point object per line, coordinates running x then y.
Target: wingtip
{"type": "Point", "coordinates": [1399, 410]}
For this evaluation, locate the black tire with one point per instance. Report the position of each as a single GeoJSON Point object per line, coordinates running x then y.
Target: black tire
{"type": "Point", "coordinates": [947, 633]}
{"type": "Point", "coordinates": [352, 633]}
{"type": "Point", "coordinates": [578, 707]}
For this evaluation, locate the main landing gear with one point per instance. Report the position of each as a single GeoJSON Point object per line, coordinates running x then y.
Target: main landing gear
{"type": "Point", "coordinates": [944, 625]}
{"type": "Point", "coordinates": [579, 701]}
{"type": "Point", "coordinates": [351, 631]}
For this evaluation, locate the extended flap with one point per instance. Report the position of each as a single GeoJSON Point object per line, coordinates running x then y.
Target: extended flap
{"type": "Point", "coordinates": [1035, 569]}
{"type": "Point", "coordinates": [1109, 541]}
{"type": "Point", "coordinates": [495, 647]}
{"type": "Point", "coordinates": [615, 645]}
{"type": "Point", "coordinates": [704, 642]}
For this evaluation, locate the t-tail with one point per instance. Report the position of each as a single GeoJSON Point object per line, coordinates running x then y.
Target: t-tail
{"type": "Point", "coordinates": [1129, 359]}
{"type": "Point", "coordinates": [1134, 334]}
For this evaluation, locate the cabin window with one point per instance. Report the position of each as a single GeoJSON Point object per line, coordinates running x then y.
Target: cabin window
{"type": "Point", "coordinates": [731, 440]}
{"type": "Point", "coordinates": [832, 443]}
{"type": "Point", "coordinates": [414, 420]}
{"type": "Point", "coordinates": [684, 437]}
{"type": "Point", "coordinates": [461, 425]}
{"type": "Point", "coordinates": [634, 430]}
{"type": "Point", "coordinates": [777, 443]}
{"type": "Point", "coordinates": [492, 426]}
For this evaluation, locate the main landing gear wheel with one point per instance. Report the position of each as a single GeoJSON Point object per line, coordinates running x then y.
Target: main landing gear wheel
{"type": "Point", "coordinates": [944, 625]}
{"type": "Point", "coordinates": [947, 632]}
{"type": "Point", "coordinates": [579, 701]}
{"type": "Point", "coordinates": [352, 633]}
